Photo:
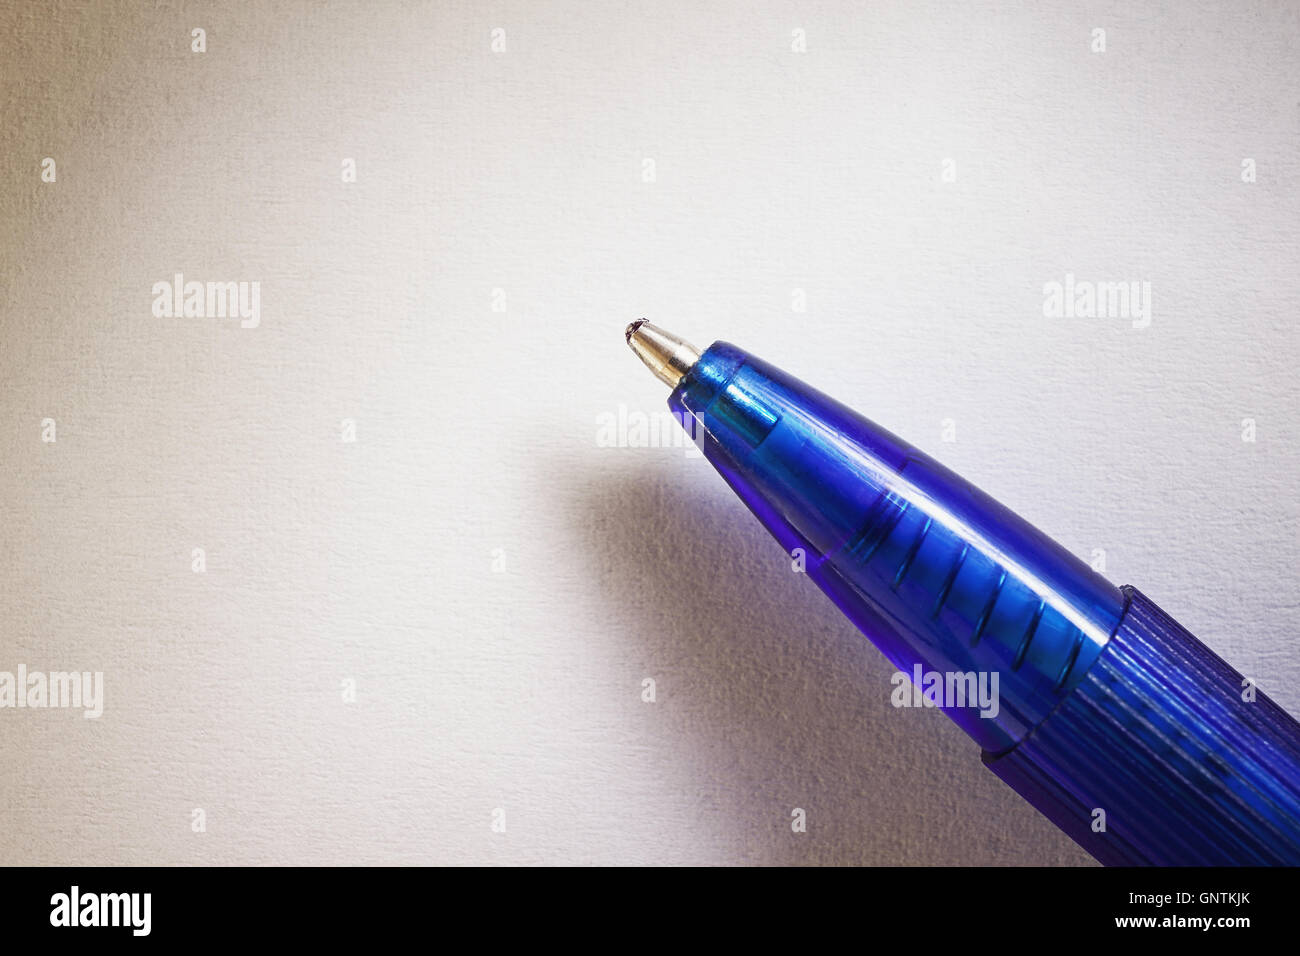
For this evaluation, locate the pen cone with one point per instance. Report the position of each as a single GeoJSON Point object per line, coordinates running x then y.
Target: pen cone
{"type": "Point", "coordinates": [665, 354]}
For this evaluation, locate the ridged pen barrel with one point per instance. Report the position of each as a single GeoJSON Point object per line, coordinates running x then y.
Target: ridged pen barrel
{"type": "Point", "coordinates": [1165, 755]}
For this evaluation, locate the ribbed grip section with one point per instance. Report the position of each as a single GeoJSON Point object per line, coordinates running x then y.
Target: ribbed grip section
{"type": "Point", "coordinates": [1162, 737]}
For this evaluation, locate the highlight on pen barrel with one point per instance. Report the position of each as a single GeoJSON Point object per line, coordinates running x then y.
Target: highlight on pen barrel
{"type": "Point", "coordinates": [937, 573]}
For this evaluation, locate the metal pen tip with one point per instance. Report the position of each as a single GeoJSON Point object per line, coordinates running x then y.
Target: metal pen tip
{"type": "Point", "coordinates": [668, 356]}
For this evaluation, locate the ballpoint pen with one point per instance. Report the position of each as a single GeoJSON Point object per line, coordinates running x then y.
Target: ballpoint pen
{"type": "Point", "coordinates": [1111, 719]}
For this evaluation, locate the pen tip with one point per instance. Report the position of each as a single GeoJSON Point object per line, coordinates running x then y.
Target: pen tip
{"type": "Point", "coordinates": [665, 354]}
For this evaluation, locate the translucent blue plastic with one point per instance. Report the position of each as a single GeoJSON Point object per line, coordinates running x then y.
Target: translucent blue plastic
{"type": "Point", "coordinates": [1112, 720]}
{"type": "Point", "coordinates": [933, 570]}
{"type": "Point", "coordinates": [1189, 765]}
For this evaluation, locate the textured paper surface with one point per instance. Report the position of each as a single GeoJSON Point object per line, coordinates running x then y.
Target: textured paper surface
{"type": "Point", "coordinates": [496, 583]}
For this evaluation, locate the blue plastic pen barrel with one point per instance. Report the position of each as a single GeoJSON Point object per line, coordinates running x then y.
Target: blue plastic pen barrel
{"type": "Point", "coordinates": [1111, 719]}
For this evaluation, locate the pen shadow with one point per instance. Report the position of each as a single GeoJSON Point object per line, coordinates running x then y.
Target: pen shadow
{"type": "Point", "coordinates": [770, 700]}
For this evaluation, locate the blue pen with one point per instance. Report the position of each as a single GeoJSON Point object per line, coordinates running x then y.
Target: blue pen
{"type": "Point", "coordinates": [1111, 719]}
